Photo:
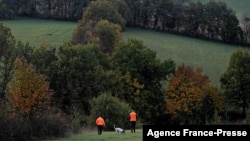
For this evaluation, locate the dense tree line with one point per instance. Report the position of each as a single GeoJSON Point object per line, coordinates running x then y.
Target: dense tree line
{"type": "Point", "coordinates": [212, 20]}
{"type": "Point", "coordinates": [56, 9]}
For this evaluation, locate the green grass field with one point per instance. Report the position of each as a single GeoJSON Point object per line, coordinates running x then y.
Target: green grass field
{"type": "Point", "coordinates": [35, 31]}
{"type": "Point", "coordinates": [211, 57]}
{"type": "Point", "coordinates": [106, 136]}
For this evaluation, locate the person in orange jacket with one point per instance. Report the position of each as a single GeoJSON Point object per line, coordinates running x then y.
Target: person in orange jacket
{"type": "Point", "coordinates": [132, 117]}
{"type": "Point", "coordinates": [100, 124]}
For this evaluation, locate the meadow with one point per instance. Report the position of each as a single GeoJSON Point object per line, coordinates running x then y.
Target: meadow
{"type": "Point", "coordinates": [35, 31]}
{"type": "Point", "coordinates": [106, 136]}
{"type": "Point", "coordinates": [211, 57]}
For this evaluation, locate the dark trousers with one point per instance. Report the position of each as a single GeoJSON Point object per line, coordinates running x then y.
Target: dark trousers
{"type": "Point", "coordinates": [99, 128]}
{"type": "Point", "coordinates": [133, 123]}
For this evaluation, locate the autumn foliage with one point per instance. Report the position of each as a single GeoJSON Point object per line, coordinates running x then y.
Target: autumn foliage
{"type": "Point", "coordinates": [28, 91]}
{"type": "Point", "coordinates": [190, 98]}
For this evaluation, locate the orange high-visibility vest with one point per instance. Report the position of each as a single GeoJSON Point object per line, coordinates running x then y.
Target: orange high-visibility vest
{"type": "Point", "coordinates": [132, 116]}
{"type": "Point", "coordinates": [100, 121]}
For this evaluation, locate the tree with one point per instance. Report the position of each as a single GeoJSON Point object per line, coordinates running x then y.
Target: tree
{"type": "Point", "coordinates": [195, 19]}
{"type": "Point", "coordinates": [44, 58]}
{"type": "Point", "coordinates": [135, 9]}
{"type": "Point", "coordinates": [27, 7]}
{"type": "Point", "coordinates": [103, 10]}
{"type": "Point", "coordinates": [236, 81]}
{"type": "Point", "coordinates": [9, 50]}
{"type": "Point", "coordinates": [6, 10]}
{"type": "Point", "coordinates": [100, 23]}
{"type": "Point", "coordinates": [84, 33]}
{"type": "Point", "coordinates": [139, 64]}
{"type": "Point", "coordinates": [113, 110]}
{"type": "Point", "coordinates": [222, 22]}
{"type": "Point", "coordinates": [80, 75]}
{"type": "Point", "coordinates": [231, 31]}
{"type": "Point", "coordinates": [105, 33]}
{"type": "Point", "coordinates": [163, 10]}
{"type": "Point", "coordinates": [246, 25]}
{"type": "Point", "coordinates": [190, 98]}
{"type": "Point", "coordinates": [7, 47]}
{"type": "Point", "coordinates": [122, 8]}
{"type": "Point", "coordinates": [7, 40]}
{"type": "Point", "coordinates": [109, 36]}
{"type": "Point", "coordinates": [27, 92]}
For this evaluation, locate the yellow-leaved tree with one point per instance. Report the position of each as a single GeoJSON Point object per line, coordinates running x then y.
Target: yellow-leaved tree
{"type": "Point", "coordinates": [190, 97]}
{"type": "Point", "coordinates": [28, 91]}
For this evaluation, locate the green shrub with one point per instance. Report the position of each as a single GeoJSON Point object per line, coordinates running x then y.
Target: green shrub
{"type": "Point", "coordinates": [113, 110]}
{"type": "Point", "coordinates": [78, 120]}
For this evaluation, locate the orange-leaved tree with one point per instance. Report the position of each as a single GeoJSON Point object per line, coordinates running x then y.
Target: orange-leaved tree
{"type": "Point", "coordinates": [190, 98]}
{"type": "Point", "coordinates": [28, 91]}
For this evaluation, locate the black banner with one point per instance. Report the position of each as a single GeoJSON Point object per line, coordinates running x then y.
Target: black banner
{"type": "Point", "coordinates": [162, 132]}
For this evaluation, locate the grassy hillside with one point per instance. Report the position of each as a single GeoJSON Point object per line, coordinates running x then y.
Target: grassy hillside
{"type": "Point", "coordinates": [212, 57]}
{"type": "Point", "coordinates": [35, 31]}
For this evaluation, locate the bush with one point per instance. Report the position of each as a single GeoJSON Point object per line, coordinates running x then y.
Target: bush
{"type": "Point", "coordinates": [15, 129]}
{"type": "Point", "coordinates": [37, 126]}
{"type": "Point", "coordinates": [53, 124]}
{"type": "Point", "coordinates": [12, 129]}
{"type": "Point", "coordinates": [78, 121]}
{"type": "Point", "coordinates": [113, 110]}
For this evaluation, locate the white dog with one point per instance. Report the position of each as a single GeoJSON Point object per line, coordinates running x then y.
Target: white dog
{"type": "Point", "coordinates": [119, 130]}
